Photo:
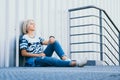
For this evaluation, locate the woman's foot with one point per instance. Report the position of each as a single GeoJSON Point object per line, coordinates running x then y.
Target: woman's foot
{"type": "Point", "coordinates": [79, 63]}
{"type": "Point", "coordinates": [73, 63]}
{"type": "Point", "coordinates": [65, 58]}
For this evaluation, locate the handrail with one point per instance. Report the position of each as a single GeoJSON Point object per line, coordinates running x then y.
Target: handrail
{"type": "Point", "coordinates": [111, 44]}
{"type": "Point", "coordinates": [85, 25]}
{"type": "Point", "coordinates": [91, 25]}
{"type": "Point", "coordinates": [98, 35]}
{"type": "Point", "coordinates": [89, 42]}
{"type": "Point", "coordinates": [97, 43]}
{"type": "Point", "coordinates": [109, 58]}
{"type": "Point", "coordinates": [87, 7]}
{"type": "Point", "coordinates": [84, 16]}
{"type": "Point", "coordinates": [111, 21]}
{"type": "Point", "coordinates": [106, 63]}
{"type": "Point", "coordinates": [85, 51]}
{"type": "Point", "coordinates": [96, 17]}
{"type": "Point", "coordinates": [111, 52]}
{"type": "Point", "coordinates": [110, 28]}
{"type": "Point", "coordinates": [101, 35]}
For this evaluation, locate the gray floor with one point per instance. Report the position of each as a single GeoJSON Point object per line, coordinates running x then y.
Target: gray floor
{"type": "Point", "coordinates": [61, 73]}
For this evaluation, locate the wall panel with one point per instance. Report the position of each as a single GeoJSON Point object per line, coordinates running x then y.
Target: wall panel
{"type": "Point", "coordinates": [51, 18]}
{"type": "Point", "coordinates": [2, 32]}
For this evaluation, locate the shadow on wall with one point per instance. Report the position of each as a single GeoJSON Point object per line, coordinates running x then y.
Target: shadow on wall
{"type": "Point", "coordinates": [19, 58]}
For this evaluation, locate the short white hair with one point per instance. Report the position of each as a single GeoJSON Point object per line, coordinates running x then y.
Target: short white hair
{"type": "Point", "coordinates": [25, 25]}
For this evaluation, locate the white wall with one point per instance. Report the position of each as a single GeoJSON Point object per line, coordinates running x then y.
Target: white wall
{"type": "Point", "coordinates": [51, 17]}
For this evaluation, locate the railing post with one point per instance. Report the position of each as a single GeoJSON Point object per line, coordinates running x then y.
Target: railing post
{"type": "Point", "coordinates": [119, 48]}
{"type": "Point", "coordinates": [101, 45]}
{"type": "Point", "coordinates": [69, 15]}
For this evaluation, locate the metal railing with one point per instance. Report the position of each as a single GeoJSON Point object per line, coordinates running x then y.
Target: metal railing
{"type": "Point", "coordinates": [109, 34]}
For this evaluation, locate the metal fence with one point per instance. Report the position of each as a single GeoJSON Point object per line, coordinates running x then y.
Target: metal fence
{"type": "Point", "coordinates": [93, 34]}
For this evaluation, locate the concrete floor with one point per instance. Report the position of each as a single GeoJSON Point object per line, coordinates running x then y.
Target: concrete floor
{"type": "Point", "coordinates": [61, 73]}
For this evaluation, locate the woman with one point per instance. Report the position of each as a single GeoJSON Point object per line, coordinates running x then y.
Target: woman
{"type": "Point", "coordinates": [31, 47]}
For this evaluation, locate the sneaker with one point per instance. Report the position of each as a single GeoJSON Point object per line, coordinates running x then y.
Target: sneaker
{"type": "Point", "coordinates": [81, 63]}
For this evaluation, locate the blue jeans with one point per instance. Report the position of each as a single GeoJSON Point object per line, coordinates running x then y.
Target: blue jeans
{"type": "Point", "coordinates": [50, 61]}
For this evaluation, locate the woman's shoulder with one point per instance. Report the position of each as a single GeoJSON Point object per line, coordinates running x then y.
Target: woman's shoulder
{"type": "Point", "coordinates": [23, 39]}
{"type": "Point", "coordinates": [25, 36]}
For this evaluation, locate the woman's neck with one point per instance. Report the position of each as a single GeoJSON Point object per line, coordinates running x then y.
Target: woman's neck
{"type": "Point", "coordinates": [31, 34]}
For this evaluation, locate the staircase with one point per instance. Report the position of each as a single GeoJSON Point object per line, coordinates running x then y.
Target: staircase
{"type": "Point", "coordinates": [94, 35]}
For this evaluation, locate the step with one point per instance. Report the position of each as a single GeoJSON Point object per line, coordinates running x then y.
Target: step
{"type": "Point", "coordinates": [95, 63]}
{"type": "Point", "coordinates": [61, 73]}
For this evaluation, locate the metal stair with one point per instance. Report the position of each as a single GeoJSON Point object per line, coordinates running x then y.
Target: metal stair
{"type": "Point", "coordinates": [61, 73]}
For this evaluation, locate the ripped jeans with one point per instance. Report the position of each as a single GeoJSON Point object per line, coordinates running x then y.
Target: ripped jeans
{"type": "Point", "coordinates": [50, 61]}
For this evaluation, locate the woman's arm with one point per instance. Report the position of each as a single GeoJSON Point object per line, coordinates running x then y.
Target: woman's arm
{"type": "Point", "coordinates": [26, 54]}
{"type": "Point", "coordinates": [45, 42]}
{"type": "Point", "coordinates": [51, 40]}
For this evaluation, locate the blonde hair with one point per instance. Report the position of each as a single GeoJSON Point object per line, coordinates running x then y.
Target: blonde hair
{"type": "Point", "coordinates": [26, 24]}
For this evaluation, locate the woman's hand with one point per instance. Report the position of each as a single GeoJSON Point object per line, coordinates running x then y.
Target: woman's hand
{"type": "Point", "coordinates": [51, 39]}
{"type": "Point", "coordinates": [42, 54]}
{"type": "Point", "coordinates": [26, 54]}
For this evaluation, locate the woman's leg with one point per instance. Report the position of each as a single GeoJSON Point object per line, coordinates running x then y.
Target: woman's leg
{"type": "Point", "coordinates": [54, 47]}
{"type": "Point", "coordinates": [50, 61]}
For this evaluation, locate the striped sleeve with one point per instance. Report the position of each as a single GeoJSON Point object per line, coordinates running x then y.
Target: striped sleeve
{"type": "Point", "coordinates": [23, 43]}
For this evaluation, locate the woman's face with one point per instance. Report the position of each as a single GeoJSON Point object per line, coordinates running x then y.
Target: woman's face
{"type": "Point", "coordinates": [31, 26]}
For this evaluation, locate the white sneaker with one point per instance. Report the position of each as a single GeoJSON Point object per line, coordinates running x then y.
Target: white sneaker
{"type": "Point", "coordinates": [81, 63]}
